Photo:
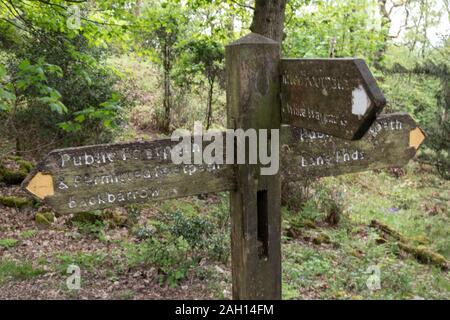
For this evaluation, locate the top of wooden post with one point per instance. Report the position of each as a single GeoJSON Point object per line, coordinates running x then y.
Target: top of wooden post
{"type": "Point", "coordinates": [253, 38]}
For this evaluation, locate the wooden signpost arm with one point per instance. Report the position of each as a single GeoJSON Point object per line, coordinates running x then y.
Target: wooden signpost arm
{"type": "Point", "coordinates": [253, 84]}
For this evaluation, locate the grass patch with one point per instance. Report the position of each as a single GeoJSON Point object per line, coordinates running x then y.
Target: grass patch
{"type": "Point", "coordinates": [86, 261]}
{"type": "Point", "coordinates": [413, 205]}
{"type": "Point", "coordinates": [12, 270]}
{"type": "Point", "coordinates": [8, 243]}
{"type": "Point", "coordinates": [28, 234]}
{"type": "Point", "coordinates": [127, 295]}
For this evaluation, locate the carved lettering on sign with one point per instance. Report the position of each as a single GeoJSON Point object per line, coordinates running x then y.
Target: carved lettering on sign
{"type": "Point", "coordinates": [391, 141]}
{"type": "Point", "coordinates": [103, 176]}
{"type": "Point", "coordinates": [338, 97]}
{"type": "Point", "coordinates": [301, 80]}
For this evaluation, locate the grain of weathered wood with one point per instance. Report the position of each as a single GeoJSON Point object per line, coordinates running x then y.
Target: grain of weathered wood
{"type": "Point", "coordinates": [253, 103]}
{"type": "Point", "coordinates": [391, 141]}
{"type": "Point", "coordinates": [98, 177]}
{"type": "Point", "coordinates": [338, 97]}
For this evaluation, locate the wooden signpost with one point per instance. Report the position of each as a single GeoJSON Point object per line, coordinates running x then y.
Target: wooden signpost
{"type": "Point", "coordinates": [392, 141]}
{"type": "Point", "coordinates": [98, 177]}
{"type": "Point", "coordinates": [253, 86]}
{"type": "Point", "coordinates": [338, 97]}
{"type": "Point", "coordinates": [326, 105]}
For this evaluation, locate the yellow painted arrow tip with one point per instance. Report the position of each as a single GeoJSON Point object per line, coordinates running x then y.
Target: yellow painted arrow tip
{"type": "Point", "coordinates": [41, 185]}
{"type": "Point", "coordinates": [416, 138]}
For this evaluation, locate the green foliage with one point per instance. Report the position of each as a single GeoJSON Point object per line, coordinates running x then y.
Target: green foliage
{"type": "Point", "coordinates": [164, 29]}
{"type": "Point", "coordinates": [439, 143]}
{"type": "Point", "coordinates": [170, 257]}
{"type": "Point", "coordinates": [196, 230]}
{"type": "Point", "coordinates": [28, 234]}
{"type": "Point", "coordinates": [44, 218]}
{"type": "Point", "coordinates": [224, 20]}
{"type": "Point", "coordinates": [144, 233]}
{"type": "Point", "coordinates": [15, 202]}
{"type": "Point", "coordinates": [176, 241]}
{"type": "Point", "coordinates": [91, 228]}
{"type": "Point", "coordinates": [420, 86]}
{"type": "Point", "coordinates": [333, 28]}
{"type": "Point", "coordinates": [321, 203]}
{"type": "Point", "coordinates": [409, 204]}
{"type": "Point", "coordinates": [8, 243]}
{"type": "Point", "coordinates": [133, 214]}
{"type": "Point", "coordinates": [204, 233]}
{"type": "Point", "coordinates": [54, 77]}
{"type": "Point", "coordinates": [85, 260]}
{"type": "Point", "coordinates": [13, 170]}
{"type": "Point", "coordinates": [29, 81]}
{"type": "Point", "coordinates": [90, 223]}
{"type": "Point", "coordinates": [18, 270]}
{"type": "Point", "coordinates": [87, 90]}
{"type": "Point", "coordinates": [105, 114]}
{"type": "Point", "coordinates": [204, 57]}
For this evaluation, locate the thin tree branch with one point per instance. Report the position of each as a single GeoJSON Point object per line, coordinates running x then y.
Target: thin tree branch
{"type": "Point", "coordinates": [242, 5]}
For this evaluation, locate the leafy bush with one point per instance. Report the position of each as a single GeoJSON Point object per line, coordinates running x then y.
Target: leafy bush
{"type": "Point", "coordinates": [206, 234]}
{"type": "Point", "coordinates": [63, 92]}
{"type": "Point", "coordinates": [170, 257]}
{"type": "Point", "coordinates": [196, 230]}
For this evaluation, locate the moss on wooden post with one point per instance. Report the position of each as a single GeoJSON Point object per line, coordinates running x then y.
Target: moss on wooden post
{"type": "Point", "coordinates": [253, 87]}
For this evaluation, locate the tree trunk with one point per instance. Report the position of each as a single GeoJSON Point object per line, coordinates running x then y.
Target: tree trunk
{"type": "Point", "coordinates": [230, 26]}
{"type": "Point", "coordinates": [166, 102]}
{"type": "Point", "coordinates": [268, 19]}
{"type": "Point", "coordinates": [209, 108]}
{"type": "Point", "coordinates": [18, 147]}
{"type": "Point", "coordinates": [137, 10]}
{"type": "Point", "coordinates": [385, 26]}
{"type": "Point", "coordinates": [167, 90]}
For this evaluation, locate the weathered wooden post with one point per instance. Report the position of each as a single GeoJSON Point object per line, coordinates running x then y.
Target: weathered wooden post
{"type": "Point", "coordinates": [253, 88]}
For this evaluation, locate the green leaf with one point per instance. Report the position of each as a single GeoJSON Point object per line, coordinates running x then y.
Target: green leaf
{"type": "Point", "coordinates": [4, 107]}
{"type": "Point", "coordinates": [107, 123]}
{"type": "Point", "coordinates": [69, 126]}
{"type": "Point", "coordinates": [55, 94]}
{"type": "Point", "coordinates": [21, 84]}
{"type": "Point", "coordinates": [24, 65]}
{"type": "Point", "coordinates": [58, 107]}
{"type": "Point", "coordinates": [80, 118]}
{"type": "Point", "coordinates": [6, 95]}
{"type": "Point", "coordinates": [54, 69]}
{"type": "Point", "coordinates": [2, 72]}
